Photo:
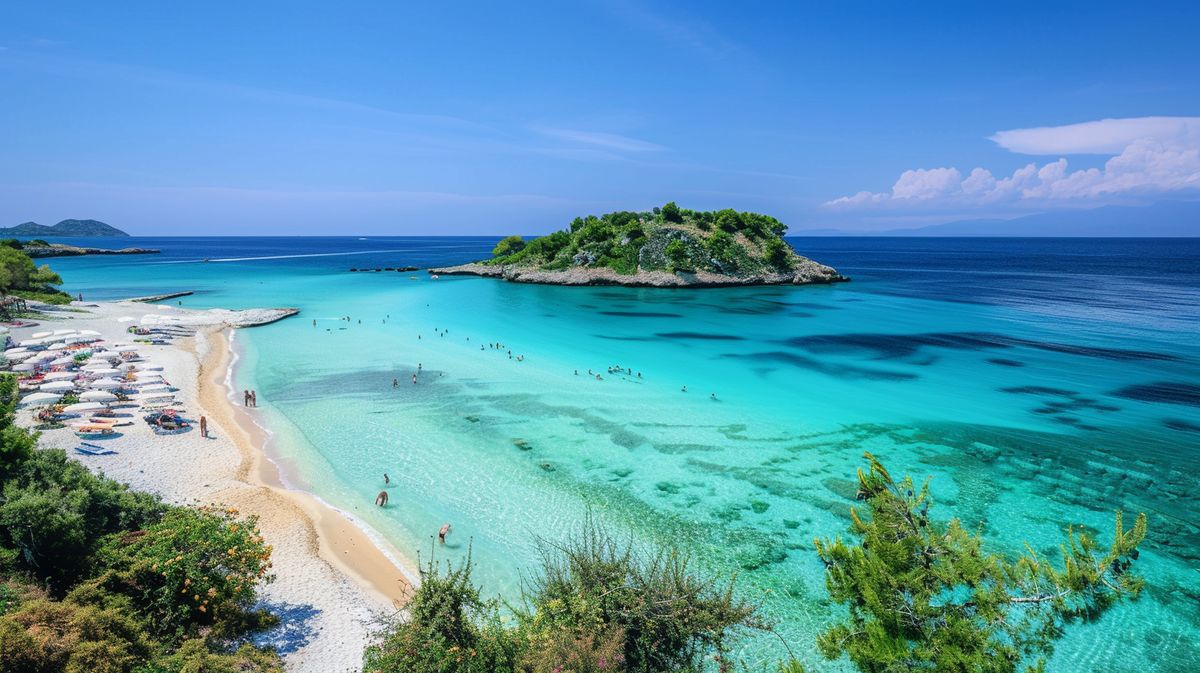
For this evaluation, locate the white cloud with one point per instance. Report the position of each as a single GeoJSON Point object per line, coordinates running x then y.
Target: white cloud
{"type": "Point", "coordinates": [1153, 156]}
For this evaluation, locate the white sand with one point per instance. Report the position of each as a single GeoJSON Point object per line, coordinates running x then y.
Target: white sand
{"type": "Point", "coordinates": [320, 558]}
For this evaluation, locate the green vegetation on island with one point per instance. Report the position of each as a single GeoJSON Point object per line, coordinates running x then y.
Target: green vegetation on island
{"type": "Point", "coordinates": [21, 279]}
{"type": "Point", "coordinates": [670, 238]}
{"type": "Point", "coordinates": [92, 228]}
{"type": "Point", "coordinates": [921, 595]}
{"type": "Point", "coordinates": [99, 578]}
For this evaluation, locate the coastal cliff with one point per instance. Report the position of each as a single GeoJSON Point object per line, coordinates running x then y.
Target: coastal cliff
{"type": "Point", "coordinates": [668, 247]}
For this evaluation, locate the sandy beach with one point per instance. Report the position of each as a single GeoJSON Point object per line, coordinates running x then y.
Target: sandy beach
{"type": "Point", "coordinates": [334, 582]}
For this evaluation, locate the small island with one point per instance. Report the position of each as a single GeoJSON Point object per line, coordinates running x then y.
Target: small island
{"type": "Point", "coordinates": [666, 247]}
{"type": "Point", "coordinates": [38, 248]}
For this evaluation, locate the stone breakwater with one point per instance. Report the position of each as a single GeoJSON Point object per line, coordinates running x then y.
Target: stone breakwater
{"type": "Point", "coordinates": [807, 272]}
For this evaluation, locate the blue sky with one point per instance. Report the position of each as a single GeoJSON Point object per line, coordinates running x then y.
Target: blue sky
{"type": "Point", "coordinates": [454, 118]}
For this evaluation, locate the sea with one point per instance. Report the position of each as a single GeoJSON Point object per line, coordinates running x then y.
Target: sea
{"type": "Point", "coordinates": [1037, 384]}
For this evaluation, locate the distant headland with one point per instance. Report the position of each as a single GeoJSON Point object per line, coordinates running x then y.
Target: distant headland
{"type": "Point", "coordinates": [666, 247]}
{"type": "Point", "coordinates": [91, 228]}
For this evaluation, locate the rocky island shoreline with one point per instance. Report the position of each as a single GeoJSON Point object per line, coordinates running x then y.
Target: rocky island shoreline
{"type": "Point", "coordinates": [64, 250]}
{"type": "Point", "coordinates": [668, 247]}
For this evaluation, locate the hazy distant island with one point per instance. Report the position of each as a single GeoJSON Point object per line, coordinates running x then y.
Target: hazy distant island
{"type": "Point", "coordinates": [92, 228]}
{"type": "Point", "coordinates": [666, 247]}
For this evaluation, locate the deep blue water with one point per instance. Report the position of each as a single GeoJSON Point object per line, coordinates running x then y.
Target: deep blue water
{"type": "Point", "coordinates": [1039, 382]}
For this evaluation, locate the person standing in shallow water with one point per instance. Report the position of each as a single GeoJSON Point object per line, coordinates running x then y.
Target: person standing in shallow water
{"type": "Point", "coordinates": [442, 532]}
{"type": "Point", "coordinates": [254, 398]}
{"type": "Point", "coordinates": [245, 398]}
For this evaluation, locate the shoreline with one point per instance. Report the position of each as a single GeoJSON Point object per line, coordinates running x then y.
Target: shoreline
{"type": "Point", "coordinates": [377, 566]}
{"type": "Point", "coordinates": [807, 273]}
{"type": "Point", "coordinates": [342, 577]}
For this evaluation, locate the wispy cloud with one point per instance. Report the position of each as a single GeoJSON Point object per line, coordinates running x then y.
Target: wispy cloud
{"type": "Point", "coordinates": [694, 34]}
{"type": "Point", "coordinates": [1153, 156]}
{"type": "Point", "coordinates": [608, 141]}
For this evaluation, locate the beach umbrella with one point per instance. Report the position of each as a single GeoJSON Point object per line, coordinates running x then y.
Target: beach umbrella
{"type": "Point", "coordinates": [56, 347]}
{"type": "Point", "coordinates": [125, 318]}
{"type": "Point", "coordinates": [21, 356]}
{"type": "Point", "coordinates": [24, 367]}
{"type": "Point", "coordinates": [104, 384]}
{"type": "Point", "coordinates": [106, 371]}
{"type": "Point", "coordinates": [156, 388]}
{"type": "Point", "coordinates": [59, 376]}
{"type": "Point", "coordinates": [97, 396]}
{"type": "Point", "coordinates": [64, 360]}
{"type": "Point", "coordinates": [40, 399]}
{"type": "Point", "coordinates": [40, 335]}
{"type": "Point", "coordinates": [13, 351]}
{"type": "Point", "coordinates": [55, 386]}
{"type": "Point", "coordinates": [83, 407]}
{"type": "Point", "coordinates": [60, 332]}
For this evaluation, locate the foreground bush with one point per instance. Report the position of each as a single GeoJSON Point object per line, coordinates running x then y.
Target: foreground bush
{"type": "Point", "coordinates": [97, 578]}
{"type": "Point", "coordinates": [925, 596]}
{"type": "Point", "coordinates": [595, 605]}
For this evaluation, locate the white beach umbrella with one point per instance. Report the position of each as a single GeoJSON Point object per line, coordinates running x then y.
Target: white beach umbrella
{"type": "Point", "coordinates": [40, 335]}
{"type": "Point", "coordinates": [83, 407]}
{"type": "Point", "coordinates": [27, 343]}
{"type": "Point", "coordinates": [39, 399]}
{"type": "Point", "coordinates": [59, 376]}
{"type": "Point", "coordinates": [13, 351]}
{"type": "Point", "coordinates": [104, 384]}
{"type": "Point", "coordinates": [56, 347]}
{"type": "Point", "coordinates": [64, 360]}
{"type": "Point", "coordinates": [156, 388]}
{"type": "Point", "coordinates": [89, 332]}
{"type": "Point", "coordinates": [24, 367]}
{"type": "Point", "coordinates": [61, 332]}
{"type": "Point", "coordinates": [106, 371]}
{"type": "Point", "coordinates": [125, 318]}
{"type": "Point", "coordinates": [97, 396]}
{"type": "Point", "coordinates": [54, 386]}
{"type": "Point", "coordinates": [21, 356]}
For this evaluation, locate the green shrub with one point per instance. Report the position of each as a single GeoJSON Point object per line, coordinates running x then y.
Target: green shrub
{"type": "Point", "coordinates": [195, 656]}
{"type": "Point", "coordinates": [192, 568]}
{"type": "Point", "coordinates": [450, 629]}
{"type": "Point", "coordinates": [591, 590]}
{"type": "Point", "coordinates": [53, 513]}
{"type": "Point", "coordinates": [778, 254]}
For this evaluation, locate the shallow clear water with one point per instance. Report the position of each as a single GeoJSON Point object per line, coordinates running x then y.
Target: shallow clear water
{"type": "Point", "coordinates": [1039, 383]}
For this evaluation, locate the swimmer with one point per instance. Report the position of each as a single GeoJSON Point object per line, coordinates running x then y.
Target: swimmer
{"type": "Point", "coordinates": [442, 532]}
{"type": "Point", "coordinates": [386, 479]}
{"type": "Point", "coordinates": [683, 389]}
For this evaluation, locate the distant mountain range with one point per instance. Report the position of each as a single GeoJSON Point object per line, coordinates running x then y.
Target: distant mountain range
{"type": "Point", "coordinates": [1166, 219]}
{"type": "Point", "coordinates": [65, 228]}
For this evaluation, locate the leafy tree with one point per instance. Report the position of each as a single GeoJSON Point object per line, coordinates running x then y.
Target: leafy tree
{"type": "Point", "coordinates": [670, 213]}
{"type": "Point", "coordinates": [926, 596]}
{"type": "Point", "coordinates": [508, 246]}
{"type": "Point", "coordinates": [728, 220]}
{"type": "Point", "coordinates": [16, 444]}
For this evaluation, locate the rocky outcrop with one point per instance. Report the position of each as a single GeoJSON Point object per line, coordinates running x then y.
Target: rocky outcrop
{"type": "Point", "coordinates": [61, 250]}
{"type": "Point", "coordinates": [806, 272]}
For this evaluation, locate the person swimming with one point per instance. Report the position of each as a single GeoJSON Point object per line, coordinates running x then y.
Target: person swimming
{"type": "Point", "coordinates": [386, 479]}
{"type": "Point", "coordinates": [683, 389]}
{"type": "Point", "coordinates": [442, 531]}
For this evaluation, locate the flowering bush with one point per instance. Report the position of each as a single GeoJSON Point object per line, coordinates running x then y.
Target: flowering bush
{"type": "Point", "coordinates": [193, 567]}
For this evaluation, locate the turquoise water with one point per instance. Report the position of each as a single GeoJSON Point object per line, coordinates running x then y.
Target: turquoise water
{"type": "Point", "coordinates": [1039, 383]}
